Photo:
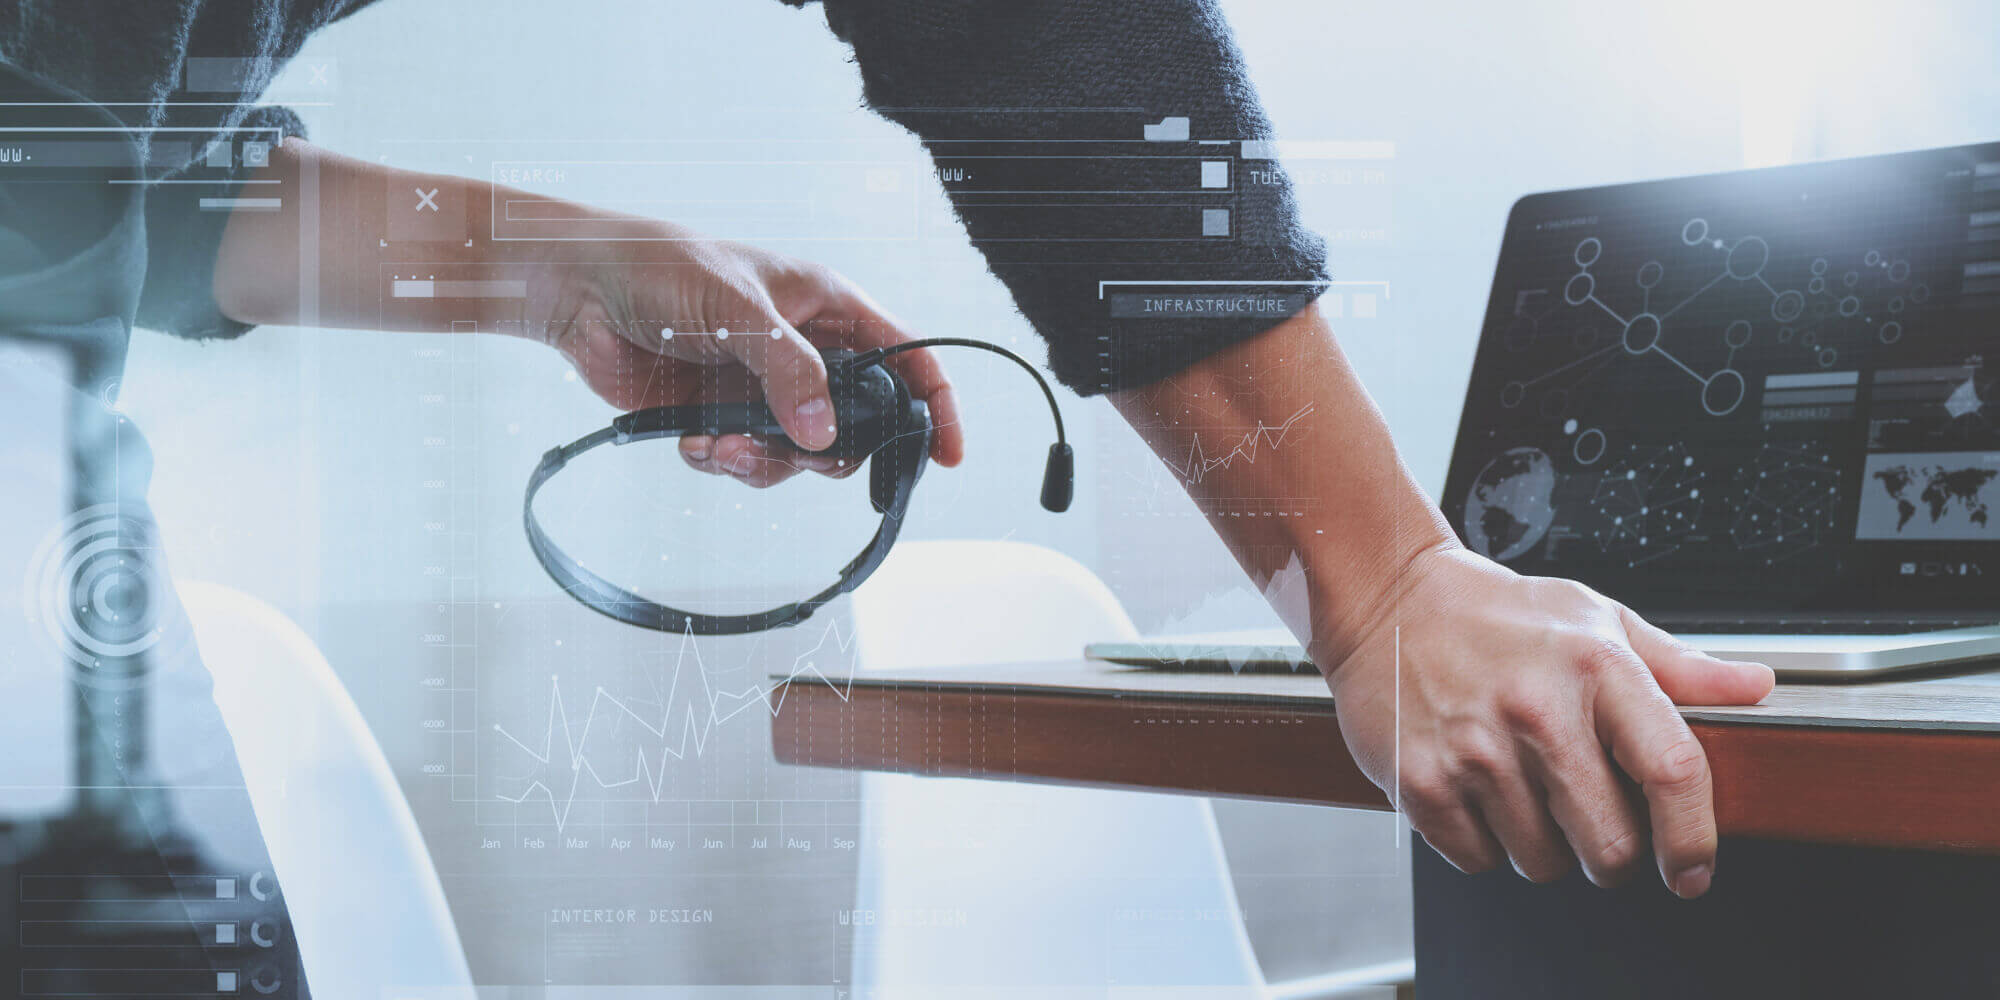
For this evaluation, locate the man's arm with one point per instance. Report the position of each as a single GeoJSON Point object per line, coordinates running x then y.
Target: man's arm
{"type": "Point", "coordinates": [257, 268]}
{"type": "Point", "coordinates": [607, 307]}
{"type": "Point", "coordinates": [1511, 690]}
{"type": "Point", "coordinates": [1367, 518]}
{"type": "Point", "coordinates": [1063, 85]}
{"type": "Point", "coordinates": [1498, 710]}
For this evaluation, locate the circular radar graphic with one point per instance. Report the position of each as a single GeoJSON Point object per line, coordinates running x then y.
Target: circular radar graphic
{"type": "Point", "coordinates": [97, 590]}
{"type": "Point", "coordinates": [1647, 503]}
{"type": "Point", "coordinates": [1507, 510]}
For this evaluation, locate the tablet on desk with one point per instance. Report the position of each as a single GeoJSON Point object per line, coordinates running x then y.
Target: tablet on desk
{"type": "Point", "coordinates": [1260, 651]}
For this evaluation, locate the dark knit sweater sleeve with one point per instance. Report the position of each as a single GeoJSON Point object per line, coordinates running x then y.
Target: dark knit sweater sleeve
{"type": "Point", "coordinates": [182, 239]}
{"type": "Point", "coordinates": [1128, 248]}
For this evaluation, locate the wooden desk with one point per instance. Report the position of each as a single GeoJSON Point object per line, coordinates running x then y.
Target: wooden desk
{"type": "Point", "coordinates": [1911, 763]}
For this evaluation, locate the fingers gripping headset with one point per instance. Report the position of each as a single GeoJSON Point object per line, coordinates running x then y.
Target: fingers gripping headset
{"type": "Point", "coordinates": [875, 418]}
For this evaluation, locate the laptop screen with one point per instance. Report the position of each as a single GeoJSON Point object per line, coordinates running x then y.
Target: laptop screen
{"type": "Point", "coordinates": [1765, 393]}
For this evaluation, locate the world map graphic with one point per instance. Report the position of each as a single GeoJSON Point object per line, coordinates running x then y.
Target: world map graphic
{"type": "Point", "coordinates": [1936, 491]}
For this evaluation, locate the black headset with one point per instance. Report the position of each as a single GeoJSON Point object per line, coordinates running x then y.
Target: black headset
{"type": "Point", "coordinates": [875, 418]}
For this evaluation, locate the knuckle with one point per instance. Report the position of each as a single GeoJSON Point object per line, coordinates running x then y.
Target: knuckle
{"type": "Point", "coordinates": [1569, 596]}
{"type": "Point", "coordinates": [1423, 795]}
{"type": "Point", "coordinates": [825, 277]}
{"type": "Point", "coordinates": [731, 296]}
{"type": "Point", "coordinates": [1619, 854]}
{"type": "Point", "coordinates": [1600, 656]}
{"type": "Point", "coordinates": [1681, 766]}
{"type": "Point", "coordinates": [803, 283]}
{"type": "Point", "coordinates": [721, 273]}
{"type": "Point", "coordinates": [1480, 757]}
{"type": "Point", "coordinates": [1529, 712]}
{"type": "Point", "coordinates": [1470, 858]}
{"type": "Point", "coordinates": [1543, 865]}
{"type": "Point", "coordinates": [1426, 794]}
{"type": "Point", "coordinates": [1473, 862]}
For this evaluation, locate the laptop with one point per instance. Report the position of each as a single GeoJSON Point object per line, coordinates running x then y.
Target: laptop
{"type": "Point", "coordinates": [1756, 407]}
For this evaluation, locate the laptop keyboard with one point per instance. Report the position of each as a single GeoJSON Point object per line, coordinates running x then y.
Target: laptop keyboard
{"type": "Point", "coordinates": [1815, 626]}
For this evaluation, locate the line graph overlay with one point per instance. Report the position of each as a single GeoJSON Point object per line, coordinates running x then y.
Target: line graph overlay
{"type": "Point", "coordinates": [682, 725]}
{"type": "Point", "coordinates": [1199, 463]}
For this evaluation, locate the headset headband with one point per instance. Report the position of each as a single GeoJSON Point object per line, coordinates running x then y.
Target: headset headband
{"type": "Point", "coordinates": [875, 418]}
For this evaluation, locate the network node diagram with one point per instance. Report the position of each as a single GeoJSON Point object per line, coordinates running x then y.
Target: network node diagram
{"type": "Point", "coordinates": [1647, 503]}
{"type": "Point", "coordinates": [1873, 295]}
{"type": "Point", "coordinates": [1786, 501]}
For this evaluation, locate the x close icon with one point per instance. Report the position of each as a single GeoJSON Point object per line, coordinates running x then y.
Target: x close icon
{"type": "Point", "coordinates": [427, 199]}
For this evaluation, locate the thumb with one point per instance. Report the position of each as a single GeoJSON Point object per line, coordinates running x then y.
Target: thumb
{"type": "Point", "coordinates": [1691, 677]}
{"type": "Point", "coordinates": [793, 377]}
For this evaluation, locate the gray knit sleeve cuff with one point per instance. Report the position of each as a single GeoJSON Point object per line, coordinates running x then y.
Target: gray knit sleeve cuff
{"type": "Point", "coordinates": [1111, 161]}
{"type": "Point", "coordinates": [184, 224]}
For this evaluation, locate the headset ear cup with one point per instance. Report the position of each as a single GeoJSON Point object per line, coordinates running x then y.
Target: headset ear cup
{"type": "Point", "coordinates": [897, 466]}
{"type": "Point", "coordinates": [882, 479]}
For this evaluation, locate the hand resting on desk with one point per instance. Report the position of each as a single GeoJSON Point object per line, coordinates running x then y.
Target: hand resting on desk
{"type": "Point", "coordinates": [1504, 714]}
{"type": "Point", "coordinates": [1511, 690]}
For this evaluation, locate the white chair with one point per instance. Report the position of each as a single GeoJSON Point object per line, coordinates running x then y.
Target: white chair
{"type": "Point", "coordinates": [364, 898]}
{"type": "Point", "coordinates": [989, 888]}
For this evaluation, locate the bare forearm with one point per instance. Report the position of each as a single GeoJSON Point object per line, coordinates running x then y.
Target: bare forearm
{"type": "Point", "coordinates": [1481, 700]}
{"type": "Point", "coordinates": [1332, 494]}
{"type": "Point", "coordinates": [258, 273]}
{"type": "Point", "coordinates": [610, 308]}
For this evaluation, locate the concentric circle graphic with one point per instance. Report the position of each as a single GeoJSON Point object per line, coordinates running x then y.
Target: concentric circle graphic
{"type": "Point", "coordinates": [97, 588]}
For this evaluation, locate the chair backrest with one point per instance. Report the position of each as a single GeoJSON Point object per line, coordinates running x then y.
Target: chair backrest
{"type": "Point", "coordinates": [365, 899]}
{"type": "Point", "coordinates": [981, 602]}
{"type": "Point", "coordinates": [945, 603]}
{"type": "Point", "coordinates": [940, 603]}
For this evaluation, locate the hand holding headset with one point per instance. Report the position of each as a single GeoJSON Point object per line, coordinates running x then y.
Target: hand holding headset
{"type": "Point", "coordinates": [875, 418]}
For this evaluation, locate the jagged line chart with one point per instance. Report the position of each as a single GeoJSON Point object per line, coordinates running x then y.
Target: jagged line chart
{"type": "Point", "coordinates": [1154, 483]}
{"type": "Point", "coordinates": [701, 710]}
{"type": "Point", "coordinates": [1246, 449]}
